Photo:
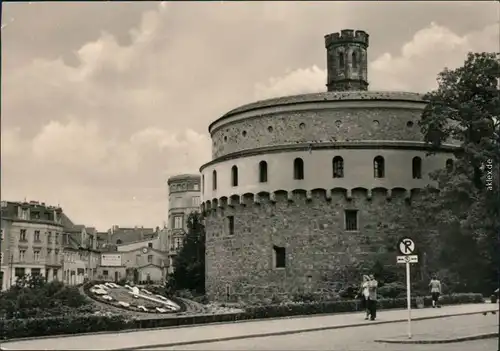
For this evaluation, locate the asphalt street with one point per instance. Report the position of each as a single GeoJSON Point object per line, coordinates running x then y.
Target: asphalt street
{"type": "Point", "coordinates": [362, 338]}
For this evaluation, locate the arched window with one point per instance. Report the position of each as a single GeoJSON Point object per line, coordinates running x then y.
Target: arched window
{"type": "Point", "coordinates": [234, 176]}
{"type": "Point", "coordinates": [338, 167]}
{"type": "Point", "coordinates": [298, 169]}
{"type": "Point", "coordinates": [354, 60]}
{"type": "Point", "coordinates": [341, 59]}
{"type": "Point", "coordinates": [417, 168]}
{"type": "Point", "coordinates": [263, 171]}
{"type": "Point", "coordinates": [118, 242]}
{"type": "Point", "coordinates": [214, 180]}
{"type": "Point", "coordinates": [378, 167]}
{"type": "Point", "coordinates": [449, 165]}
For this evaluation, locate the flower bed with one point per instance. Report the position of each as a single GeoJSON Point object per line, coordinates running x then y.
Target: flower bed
{"type": "Point", "coordinates": [136, 300]}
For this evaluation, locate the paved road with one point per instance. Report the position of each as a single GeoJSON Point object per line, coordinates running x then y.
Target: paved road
{"type": "Point", "coordinates": [149, 338]}
{"type": "Point", "coordinates": [362, 338]}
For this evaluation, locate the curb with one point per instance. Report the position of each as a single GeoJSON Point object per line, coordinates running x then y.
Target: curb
{"type": "Point", "coordinates": [441, 341]}
{"type": "Point", "coordinates": [289, 332]}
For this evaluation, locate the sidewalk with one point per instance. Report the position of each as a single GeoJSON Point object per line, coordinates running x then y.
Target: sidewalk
{"type": "Point", "coordinates": [128, 340]}
{"type": "Point", "coordinates": [449, 330]}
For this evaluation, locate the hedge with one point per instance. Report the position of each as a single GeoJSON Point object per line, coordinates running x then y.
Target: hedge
{"type": "Point", "coordinates": [19, 328]}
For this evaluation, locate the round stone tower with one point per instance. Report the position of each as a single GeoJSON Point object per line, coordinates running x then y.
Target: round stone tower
{"type": "Point", "coordinates": [347, 61]}
{"type": "Point", "coordinates": [303, 190]}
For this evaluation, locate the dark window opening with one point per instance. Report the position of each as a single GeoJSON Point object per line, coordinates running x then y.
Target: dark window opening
{"type": "Point", "coordinates": [203, 183]}
{"type": "Point", "coordinates": [230, 224]}
{"type": "Point", "coordinates": [341, 59]}
{"type": "Point", "coordinates": [351, 220]}
{"type": "Point", "coordinates": [214, 180]}
{"type": "Point", "coordinates": [263, 171]}
{"type": "Point", "coordinates": [234, 176]}
{"type": "Point", "coordinates": [449, 165]}
{"type": "Point", "coordinates": [105, 273]}
{"type": "Point", "coordinates": [338, 167]}
{"type": "Point", "coordinates": [150, 245]}
{"type": "Point", "coordinates": [118, 242]}
{"type": "Point", "coordinates": [279, 257]}
{"type": "Point", "coordinates": [298, 169]}
{"type": "Point", "coordinates": [378, 167]}
{"type": "Point", "coordinates": [417, 168]}
{"type": "Point", "coordinates": [354, 60]}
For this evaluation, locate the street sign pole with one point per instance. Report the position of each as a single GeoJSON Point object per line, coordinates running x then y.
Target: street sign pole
{"type": "Point", "coordinates": [406, 247]}
{"type": "Point", "coordinates": [408, 297]}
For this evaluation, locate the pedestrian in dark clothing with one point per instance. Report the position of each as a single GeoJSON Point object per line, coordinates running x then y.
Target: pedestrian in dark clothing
{"type": "Point", "coordinates": [372, 302]}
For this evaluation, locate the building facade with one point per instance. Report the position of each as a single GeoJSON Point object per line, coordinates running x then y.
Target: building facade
{"type": "Point", "coordinates": [304, 190]}
{"type": "Point", "coordinates": [184, 197]}
{"type": "Point", "coordinates": [31, 241]}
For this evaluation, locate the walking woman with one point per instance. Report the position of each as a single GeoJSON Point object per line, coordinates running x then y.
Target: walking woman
{"type": "Point", "coordinates": [365, 295]}
{"type": "Point", "coordinates": [435, 286]}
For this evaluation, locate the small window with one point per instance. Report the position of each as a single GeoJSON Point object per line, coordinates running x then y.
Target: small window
{"type": "Point", "coordinates": [118, 242]}
{"type": "Point", "coordinates": [195, 201]}
{"type": "Point", "coordinates": [150, 258]}
{"type": "Point", "coordinates": [150, 245]}
{"type": "Point", "coordinates": [234, 176]}
{"type": "Point", "coordinates": [341, 60]}
{"type": "Point", "coordinates": [230, 224]}
{"type": "Point", "coordinates": [196, 187]}
{"type": "Point", "coordinates": [37, 235]}
{"type": "Point", "coordinates": [279, 257]}
{"type": "Point", "coordinates": [105, 273]}
{"type": "Point", "coordinates": [351, 220]}
{"type": "Point", "coordinates": [36, 255]}
{"type": "Point", "coordinates": [378, 167]}
{"type": "Point", "coordinates": [22, 235]}
{"type": "Point", "coordinates": [417, 168]}
{"type": "Point", "coordinates": [214, 180]}
{"type": "Point", "coordinates": [177, 222]}
{"type": "Point", "coordinates": [354, 60]}
{"type": "Point", "coordinates": [263, 171]}
{"type": "Point", "coordinates": [298, 169]}
{"type": "Point", "coordinates": [338, 167]}
{"type": "Point", "coordinates": [449, 165]}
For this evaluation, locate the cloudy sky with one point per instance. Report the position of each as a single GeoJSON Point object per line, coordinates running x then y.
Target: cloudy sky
{"type": "Point", "coordinates": [102, 102]}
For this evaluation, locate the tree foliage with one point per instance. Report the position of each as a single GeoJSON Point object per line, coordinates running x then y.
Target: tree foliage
{"type": "Point", "coordinates": [189, 264]}
{"type": "Point", "coordinates": [462, 207]}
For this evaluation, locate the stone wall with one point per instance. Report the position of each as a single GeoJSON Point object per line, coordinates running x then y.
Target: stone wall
{"type": "Point", "coordinates": [315, 126]}
{"type": "Point", "coordinates": [320, 253]}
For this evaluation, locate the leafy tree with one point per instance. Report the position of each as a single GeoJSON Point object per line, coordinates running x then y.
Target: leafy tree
{"type": "Point", "coordinates": [189, 264]}
{"type": "Point", "coordinates": [465, 212]}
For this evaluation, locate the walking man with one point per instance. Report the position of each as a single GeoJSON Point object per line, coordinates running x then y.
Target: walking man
{"type": "Point", "coordinates": [435, 286]}
{"type": "Point", "coordinates": [372, 301]}
{"type": "Point", "coordinates": [365, 295]}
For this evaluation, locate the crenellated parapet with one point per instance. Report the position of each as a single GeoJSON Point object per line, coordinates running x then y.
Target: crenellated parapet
{"type": "Point", "coordinates": [304, 196]}
{"type": "Point", "coordinates": [347, 36]}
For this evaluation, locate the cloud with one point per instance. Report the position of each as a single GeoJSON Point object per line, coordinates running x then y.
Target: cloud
{"type": "Point", "coordinates": [414, 68]}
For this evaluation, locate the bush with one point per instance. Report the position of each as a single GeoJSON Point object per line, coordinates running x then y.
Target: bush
{"type": "Point", "coordinates": [31, 327]}
{"type": "Point", "coordinates": [392, 290]}
{"type": "Point", "coordinates": [32, 297]}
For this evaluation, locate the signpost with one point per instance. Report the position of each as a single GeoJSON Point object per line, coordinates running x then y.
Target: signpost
{"type": "Point", "coordinates": [406, 246]}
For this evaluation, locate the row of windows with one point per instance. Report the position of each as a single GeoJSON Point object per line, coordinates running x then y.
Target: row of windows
{"type": "Point", "coordinates": [337, 170]}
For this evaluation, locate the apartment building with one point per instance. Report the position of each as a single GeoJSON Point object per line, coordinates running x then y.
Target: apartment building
{"type": "Point", "coordinates": [31, 241]}
{"type": "Point", "coordinates": [183, 198]}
